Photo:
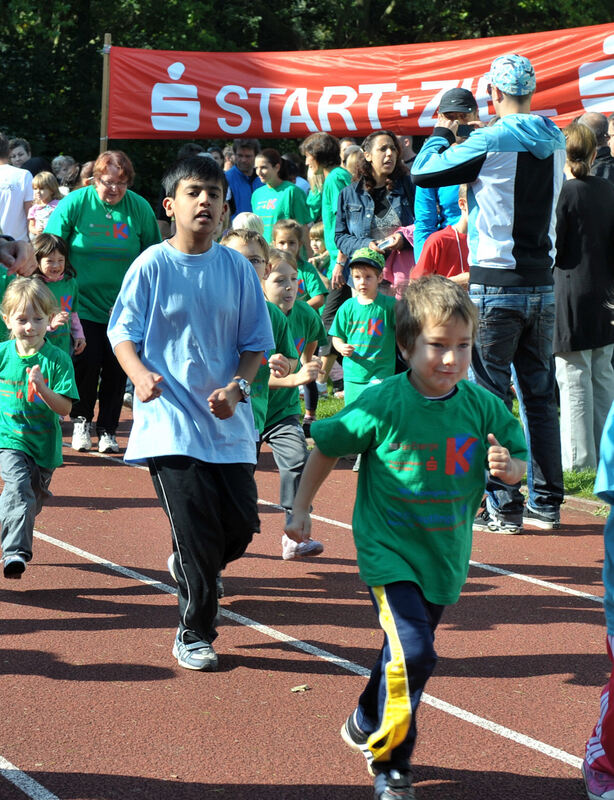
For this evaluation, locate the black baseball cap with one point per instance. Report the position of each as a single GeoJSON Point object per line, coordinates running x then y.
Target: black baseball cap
{"type": "Point", "coordinates": [460, 100]}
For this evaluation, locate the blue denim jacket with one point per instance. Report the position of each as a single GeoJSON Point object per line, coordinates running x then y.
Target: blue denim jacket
{"type": "Point", "coordinates": [355, 213]}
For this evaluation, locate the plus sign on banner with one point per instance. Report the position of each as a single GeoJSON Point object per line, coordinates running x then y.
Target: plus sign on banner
{"type": "Point", "coordinates": [167, 94]}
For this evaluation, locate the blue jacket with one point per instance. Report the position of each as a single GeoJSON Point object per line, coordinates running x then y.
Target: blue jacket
{"type": "Point", "coordinates": [355, 210]}
{"type": "Point", "coordinates": [434, 209]}
{"type": "Point", "coordinates": [242, 188]}
{"type": "Point", "coordinates": [514, 169]}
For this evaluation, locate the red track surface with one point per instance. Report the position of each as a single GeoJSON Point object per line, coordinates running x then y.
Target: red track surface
{"type": "Point", "coordinates": [94, 707]}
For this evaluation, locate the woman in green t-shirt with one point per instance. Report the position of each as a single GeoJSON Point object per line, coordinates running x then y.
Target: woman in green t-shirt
{"type": "Point", "coordinates": [278, 198]}
{"type": "Point", "coordinates": [106, 227]}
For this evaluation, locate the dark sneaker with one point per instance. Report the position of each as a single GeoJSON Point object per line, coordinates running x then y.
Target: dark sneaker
{"type": "Point", "coordinates": [196, 655]}
{"type": "Point", "coordinates": [546, 520]}
{"type": "Point", "coordinates": [14, 567]}
{"type": "Point", "coordinates": [357, 739]}
{"type": "Point", "coordinates": [495, 523]}
{"type": "Point", "coordinates": [394, 785]}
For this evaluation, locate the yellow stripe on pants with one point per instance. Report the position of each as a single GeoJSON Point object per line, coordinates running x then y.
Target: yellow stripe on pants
{"type": "Point", "coordinates": [397, 709]}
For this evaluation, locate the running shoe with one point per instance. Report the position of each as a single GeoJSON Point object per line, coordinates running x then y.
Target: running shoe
{"type": "Point", "coordinates": [107, 443]}
{"type": "Point", "coordinates": [14, 567]}
{"type": "Point", "coordinates": [546, 520]}
{"type": "Point", "coordinates": [81, 436]}
{"type": "Point", "coordinates": [355, 738]}
{"type": "Point", "coordinates": [291, 549]}
{"type": "Point", "coordinates": [491, 523]}
{"type": "Point", "coordinates": [393, 784]}
{"type": "Point", "coordinates": [599, 785]}
{"type": "Point", "coordinates": [196, 655]}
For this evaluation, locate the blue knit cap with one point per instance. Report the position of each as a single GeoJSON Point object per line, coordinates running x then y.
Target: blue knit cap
{"type": "Point", "coordinates": [513, 74]}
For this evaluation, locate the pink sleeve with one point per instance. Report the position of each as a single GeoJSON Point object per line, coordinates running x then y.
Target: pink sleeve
{"type": "Point", "coordinates": [76, 328]}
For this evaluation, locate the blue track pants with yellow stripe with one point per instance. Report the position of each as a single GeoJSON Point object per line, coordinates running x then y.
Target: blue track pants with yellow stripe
{"type": "Point", "coordinates": [387, 707]}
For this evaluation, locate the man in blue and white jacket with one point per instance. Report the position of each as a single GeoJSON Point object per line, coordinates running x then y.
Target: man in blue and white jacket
{"type": "Point", "coordinates": [514, 169]}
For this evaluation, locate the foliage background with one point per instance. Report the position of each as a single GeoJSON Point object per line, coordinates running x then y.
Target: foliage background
{"type": "Point", "coordinates": [51, 62]}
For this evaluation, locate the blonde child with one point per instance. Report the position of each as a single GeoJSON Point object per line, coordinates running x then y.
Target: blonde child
{"type": "Point", "coordinates": [248, 221]}
{"type": "Point", "coordinates": [321, 258]}
{"type": "Point", "coordinates": [282, 429]}
{"type": "Point", "coordinates": [37, 383]}
{"type": "Point", "coordinates": [46, 197]}
{"type": "Point", "coordinates": [51, 253]}
{"type": "Point", "coordinates": [427, 436]}
{"type": "Point", "coordinates": [288, 236]}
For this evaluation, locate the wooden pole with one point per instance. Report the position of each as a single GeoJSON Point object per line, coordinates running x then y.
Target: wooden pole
{"type": "Point", "coordinates": [104, 110]}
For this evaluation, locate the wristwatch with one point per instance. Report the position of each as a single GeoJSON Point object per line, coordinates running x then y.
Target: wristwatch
{"type": "Point", "coordinates": [245, 388]}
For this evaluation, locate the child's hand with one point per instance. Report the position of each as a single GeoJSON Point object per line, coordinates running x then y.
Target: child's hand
{"type": "Point", "coordinates": [35, 378]}
{"type": "Point", "coordinates": [307, 373]}
{"type": "Point", "coordinates": [57, 320]}
{"type": "Point", "coordinates": [500, 463]}
{"type": "Point", "coordinates": [346, 350]}
{"type": "Point", "coordinates": [279, 365]}
{"type": "Point", "coordinates": [78, 346]}
{"type": "Point", "coordinates": [222, 402]}
{"type": "Point", "coordinates": [146, 386]}
{"type": "Point", "coordinates": [298, 527]}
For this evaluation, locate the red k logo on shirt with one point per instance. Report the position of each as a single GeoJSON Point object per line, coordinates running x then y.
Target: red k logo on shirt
{"type": "Point", "coordinates": [374, 327]}
{"type": "Point", "coordinates": [459, 452]}
{"type": "Point", "coordinates": [66, 302]}
{"type": "Point", "coordinates": [121, 230]}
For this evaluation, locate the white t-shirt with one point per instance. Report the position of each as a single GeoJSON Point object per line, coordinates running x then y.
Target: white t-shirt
{"type": "Point", "coordinates": [15, 190]}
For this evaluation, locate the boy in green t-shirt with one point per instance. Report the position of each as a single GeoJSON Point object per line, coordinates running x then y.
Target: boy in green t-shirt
{"type": "Point", "coordinates": [363, 330]}
{"type": "Point", "coordinates": [282, 429]}
{"type": "Point", "coordinates": [288, 236]}
{"type": "Point", "coordinates": [37, 382]}
{"type": "Point", "coordinates": [426, 437]}
{"type": "Point", "coordinates": [253, 246]}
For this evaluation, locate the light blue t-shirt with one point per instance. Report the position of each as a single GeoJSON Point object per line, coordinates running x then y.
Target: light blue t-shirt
{"type": "Point", "coordinates": [190, 317]}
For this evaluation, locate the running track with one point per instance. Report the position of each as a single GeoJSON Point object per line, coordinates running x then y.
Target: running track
{"type": "Point", "coordinates": [94, 707]}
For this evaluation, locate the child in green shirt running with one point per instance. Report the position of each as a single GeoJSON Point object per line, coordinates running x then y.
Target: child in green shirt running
{"type": "Point", "coordinates": [37, 382]}
{"type": "Point", "coordinates": [66, 331]}
{"type": "Point", "coordinates": [288, 236]}
{"type": "Point", "coordinates": [282, 430]}
{"type": "Point", "coordinates": [363, 330]}
{"type": "Point", "coordinates": [426, 437]}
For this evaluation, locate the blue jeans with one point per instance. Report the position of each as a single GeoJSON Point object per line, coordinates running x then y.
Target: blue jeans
{"type": "Point", "coordinates": [515, 341]}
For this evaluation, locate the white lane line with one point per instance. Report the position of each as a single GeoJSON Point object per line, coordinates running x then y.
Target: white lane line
{"type": "Point", "coordinates": [537, 582]}
{"type": "Point", "coordinates": [325, 655]}
{"type": "Point", "coordinates": [28, 785]}
{"type": "Point", "coordinates": [555, 587]}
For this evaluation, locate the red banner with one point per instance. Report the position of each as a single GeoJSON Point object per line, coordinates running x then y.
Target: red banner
{"type": "Point", "coordinates": [162, 94]}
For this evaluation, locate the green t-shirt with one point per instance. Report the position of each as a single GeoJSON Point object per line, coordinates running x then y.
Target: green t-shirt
{"type": "Point", "coordinates": [284, 344]}
{"type": "Point", "coordinates": [310, 284]}
{"type": "Point", "coordinates": [305, 326]}
{"type": "Point", "coordinates": [336, 180]}
{"type": "Point", "coordinates": [421, 478]}
{"type": "Point", "coordinates": [371, 329]}
{"type": "Point", "coordinates": [103, 241]}
{"type": "Point", "coordinates": [285, 201]}
{"type": "Point", "coordinates": [33, 427]}
{"type": "Point", "coordinates": [66, 292]}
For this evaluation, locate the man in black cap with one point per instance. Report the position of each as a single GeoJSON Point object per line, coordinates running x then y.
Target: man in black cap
{"type": "Point", "coordinates": [434, 209]}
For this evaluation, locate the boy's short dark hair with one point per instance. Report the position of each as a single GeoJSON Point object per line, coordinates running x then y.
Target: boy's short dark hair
{"type": "Point", "coordinates": [4, 146]}
{"type": "Point", "coordinates": [205, 169]}
{"type": "Point", "coordinates": [435, 298]}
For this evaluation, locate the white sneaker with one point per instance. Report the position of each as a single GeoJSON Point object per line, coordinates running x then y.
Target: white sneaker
{"type": "Point", "coordinates": [81, 438]}
{"type": "Point", "coordinates": [291, 549]}
{"type": "Point", "coordinates": [107, 443]}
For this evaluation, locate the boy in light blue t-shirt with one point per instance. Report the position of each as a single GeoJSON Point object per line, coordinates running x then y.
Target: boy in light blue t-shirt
{"type": "Point", "coordinates": [189, 328]}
